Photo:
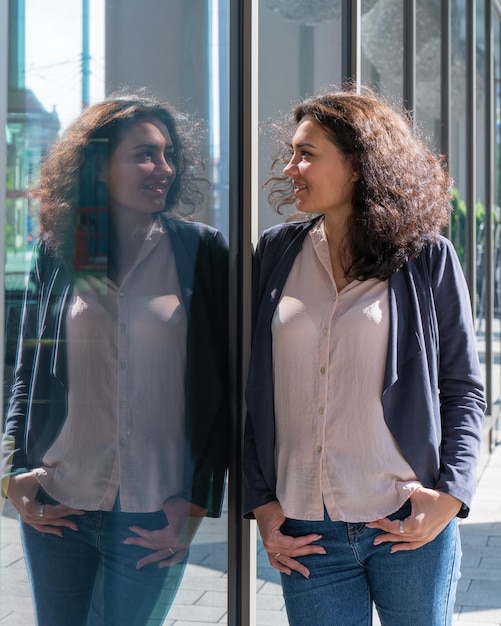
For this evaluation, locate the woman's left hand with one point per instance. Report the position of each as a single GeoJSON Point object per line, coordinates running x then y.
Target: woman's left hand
{"type": "Point", "coordinates": [431, 512]}
{"type": "Point", "coordinates": [169, 544]}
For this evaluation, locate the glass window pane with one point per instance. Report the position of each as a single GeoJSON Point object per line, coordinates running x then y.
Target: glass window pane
{"type": "Point", "coordinates": [299, 54]}
{"type": "Point", "coordinates": [119, 361]}
{"type": "Point", "coordinates": [428, 74]}
{"type": "Point", "coordinates": [382, 46]}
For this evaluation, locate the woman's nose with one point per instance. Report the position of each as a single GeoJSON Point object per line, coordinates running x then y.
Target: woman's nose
{"type": "Point", "coordinates": [289, 168]}
{"type": "Point", "coordinates": [166, 166]}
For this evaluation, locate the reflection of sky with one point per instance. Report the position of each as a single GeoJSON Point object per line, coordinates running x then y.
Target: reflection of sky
{"type": "Point", "coordinates": [54, 54]}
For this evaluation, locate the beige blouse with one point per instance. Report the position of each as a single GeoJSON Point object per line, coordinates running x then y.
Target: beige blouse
{"type": "Point", "coordinates": [333, 447]}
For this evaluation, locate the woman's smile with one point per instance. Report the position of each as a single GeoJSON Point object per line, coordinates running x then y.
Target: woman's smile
{"type": "Point", "coordinates": [141, 169]}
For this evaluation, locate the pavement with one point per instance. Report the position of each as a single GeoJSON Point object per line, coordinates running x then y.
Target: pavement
{"type": "Point", "coordinates": [201, 600]}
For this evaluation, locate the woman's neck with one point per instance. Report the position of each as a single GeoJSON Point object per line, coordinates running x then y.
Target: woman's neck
{"type": "Point", "coordinates": [126, 236]}
{"type": "Point", "coordinates": [336, 233]}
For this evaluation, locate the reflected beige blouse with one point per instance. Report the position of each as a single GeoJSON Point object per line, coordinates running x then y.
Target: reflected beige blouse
{"type": "Point", "coordinates": [333, 447]}
{"type": "Point", "coordinates": [126, 351]}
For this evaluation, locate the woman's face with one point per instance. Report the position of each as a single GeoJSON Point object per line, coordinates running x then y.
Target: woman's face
{"type": "Point", "coordinates": [141, 169]}
{"type": "Point", "coordinates": [322, 175]}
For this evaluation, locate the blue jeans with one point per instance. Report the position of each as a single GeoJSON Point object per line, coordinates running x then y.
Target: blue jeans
{"type": "Point", "coordinates": [89, 577]}
{"type": "Point", "coordinates": [410, 588]}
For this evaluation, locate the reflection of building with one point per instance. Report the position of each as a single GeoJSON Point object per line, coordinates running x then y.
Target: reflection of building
{"type": "Point", "coordinates": [30, 130]}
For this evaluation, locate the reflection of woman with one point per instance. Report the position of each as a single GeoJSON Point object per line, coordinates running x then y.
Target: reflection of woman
{"type": "Point", "coordinates": [361, 453]}
{"type": "Point", "coordinates": [117, 417]}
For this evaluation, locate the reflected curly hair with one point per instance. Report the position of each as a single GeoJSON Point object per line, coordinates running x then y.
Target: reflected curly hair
{"type": "Point", "coordinates": [72, 173]}
{"type": "Point", "coordinates": [402, 199]}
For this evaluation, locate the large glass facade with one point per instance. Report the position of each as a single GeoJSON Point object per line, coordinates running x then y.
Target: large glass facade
{"type": "Point", "coordinates": [231, 68]}
{"type": "Point", "coordinates": [64, 59]}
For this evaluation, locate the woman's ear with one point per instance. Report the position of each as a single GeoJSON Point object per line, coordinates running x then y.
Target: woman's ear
{"type": "Point", "coordinates": [351, 161]}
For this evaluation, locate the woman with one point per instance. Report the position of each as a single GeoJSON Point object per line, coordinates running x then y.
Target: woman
{"type": "Point", "coordinates": [117, 421]}
{"type": "Point", "coordinates": [365, 400]}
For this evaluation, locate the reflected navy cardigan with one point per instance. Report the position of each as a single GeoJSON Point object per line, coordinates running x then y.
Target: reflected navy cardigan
{"type": "Point", "coordinates": [38, 403]}
{"type": "Point", "coordinates": [433, 396]}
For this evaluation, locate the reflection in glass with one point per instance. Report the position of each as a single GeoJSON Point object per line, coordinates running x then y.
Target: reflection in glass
{"type": "Point", "coordinates": [117, 423]}
{"type": "Point", "coordinates": [186, 64]}
{"type": "Point", "coordinates": [382, 45]}
{"type": "Point", "coordinates": [497, 211]}
{"type": "Point", "coordinates": [299, 55]}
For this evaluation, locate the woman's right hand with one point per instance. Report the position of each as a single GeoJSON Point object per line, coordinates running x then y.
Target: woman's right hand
{"type": "Point", "coordinates": [22, 491]}
{"type": "Point", "coordinates": [282, 548]}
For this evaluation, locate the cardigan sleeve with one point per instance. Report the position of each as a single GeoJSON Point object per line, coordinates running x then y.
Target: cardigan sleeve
{"type": "Point", "coordinates": [462, 403]}
{"type": "Point", "coordinates": [14, 453]}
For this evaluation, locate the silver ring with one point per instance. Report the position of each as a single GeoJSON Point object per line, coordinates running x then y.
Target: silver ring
{"type": "Point", "coordinates": [401, 526]}
{"type": "Point", "coordinates": [41, 510]}
{"type": "Point", "coordinates": [171, 550]}
{"type": "Point", "coordinates": [276, 556]}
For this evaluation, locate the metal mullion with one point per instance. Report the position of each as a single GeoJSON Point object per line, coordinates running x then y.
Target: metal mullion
{"type": "Point", "coordinates": [409, 59]}
{"type": "Point", "coordinates": [471, 137]}
{"type": "Point", "coordinates": [445, 85]}
{"type": "Point", "coordinates": [489, 200]}
{"type": "Point", "coordinates": [243, 38]}
{"type": "Point", "coordinates": [351, 44]}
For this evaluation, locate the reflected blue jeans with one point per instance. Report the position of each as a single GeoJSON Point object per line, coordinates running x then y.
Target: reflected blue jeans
{"type": "Point", "coordinates": [89, 577]}
{"type": "Point", "coordinates": [411, 588]}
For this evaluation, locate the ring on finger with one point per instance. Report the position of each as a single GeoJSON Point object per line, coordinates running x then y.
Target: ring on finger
{"type": "Point", "coordinates": [275, 556]}
{"type": "Point", "coordinates": [401, 529]}
{"type": "Point", "coordinates": [41, 510]}
{"type": "Point", "coordinates": [171, 550]}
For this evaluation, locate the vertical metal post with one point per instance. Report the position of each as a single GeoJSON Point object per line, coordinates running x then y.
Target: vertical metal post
{"type": "Point", "coordinates": [243, 188]}
{"type": "Point", "coordinates": [489, 169]}
{"type": "Point", "coordinates": [445, 84]}
{"type": "Point", "coordinates": [351, 43]}
{"type": "Point", "coordinates": [410, 55]}
{"type": "Point", "coordinates": [471, 142]}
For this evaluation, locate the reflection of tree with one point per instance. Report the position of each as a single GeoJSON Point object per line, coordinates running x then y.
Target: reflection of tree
{"type": "Point", "coordinates": [458, 238]}
{"type": "Point", "coordinates": [382, 28]}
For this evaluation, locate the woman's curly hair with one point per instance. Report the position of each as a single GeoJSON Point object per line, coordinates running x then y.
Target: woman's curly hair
{"type": "Point", "coordinates": [72, 172]}
{"type": "Point", "coordinates": [402, 199]}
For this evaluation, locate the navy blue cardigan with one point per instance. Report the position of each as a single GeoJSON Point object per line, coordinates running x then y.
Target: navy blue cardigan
{"type": "Point", "coordinates": [38, 404]}
{"type": "Point", "coordinates": [433, 396]}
